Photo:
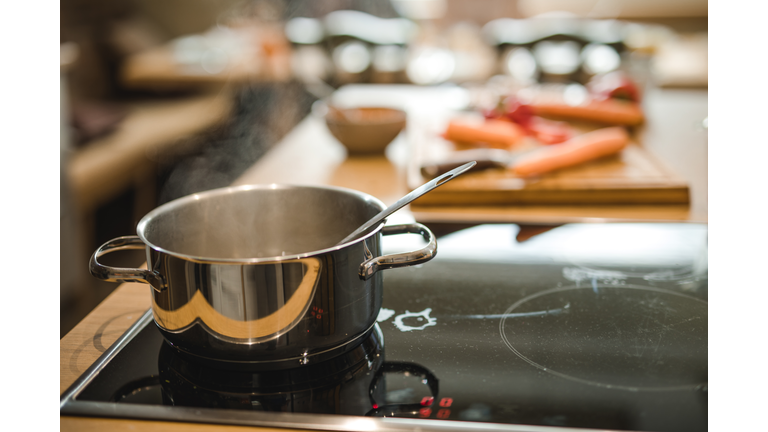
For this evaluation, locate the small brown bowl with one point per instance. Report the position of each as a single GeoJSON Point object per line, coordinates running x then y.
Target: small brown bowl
{"type": "Point", "coordinates": [365, 130]}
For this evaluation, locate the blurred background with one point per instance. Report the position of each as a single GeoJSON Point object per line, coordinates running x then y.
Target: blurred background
{"type": "Point", "coordinates": [164, 98]}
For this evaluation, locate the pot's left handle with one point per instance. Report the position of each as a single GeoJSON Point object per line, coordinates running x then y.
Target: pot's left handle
{"type": "Point", "coordinates": [370, 267]}
{"type": "Point", "coordinates": [121, 274]}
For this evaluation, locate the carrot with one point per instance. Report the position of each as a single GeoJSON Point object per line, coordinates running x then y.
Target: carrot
{"type": "Point", "coordinates": [577, 150]}
{"type": "Point", "coordinates": [609, 111]}
{"type": "Point", "coordinates": [494, 133]}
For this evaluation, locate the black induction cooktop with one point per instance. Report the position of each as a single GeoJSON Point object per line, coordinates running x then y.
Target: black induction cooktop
{"type": "Point", "coordinates": [597, 326]}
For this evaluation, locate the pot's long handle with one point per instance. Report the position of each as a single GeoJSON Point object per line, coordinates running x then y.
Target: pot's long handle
{"type": "Point", "coordinates": [121, 274]}
{"type": "Point", "coordinates": [370, 267]}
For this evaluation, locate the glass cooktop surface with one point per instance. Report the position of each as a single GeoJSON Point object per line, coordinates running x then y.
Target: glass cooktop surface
{"type": "Point", "coordinates": [599, 326]}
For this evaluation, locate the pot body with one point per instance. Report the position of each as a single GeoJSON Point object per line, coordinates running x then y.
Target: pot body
{"type": "Point", "coordinates": [252, 274]}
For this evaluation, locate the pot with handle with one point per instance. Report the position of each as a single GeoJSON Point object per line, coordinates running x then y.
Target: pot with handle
{"type": "Point", "coordinates": [253, 274]}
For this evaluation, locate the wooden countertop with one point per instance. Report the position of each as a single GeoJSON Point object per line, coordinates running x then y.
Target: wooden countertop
{"type": "Point", "coordinates": [309, 155]}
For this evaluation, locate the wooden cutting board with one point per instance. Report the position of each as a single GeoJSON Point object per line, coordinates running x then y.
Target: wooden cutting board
{"type": "Point", "coordinates": [632, 177]}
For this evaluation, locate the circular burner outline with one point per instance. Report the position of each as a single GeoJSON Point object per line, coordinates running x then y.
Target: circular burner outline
{"type": "Point", "coordinates": [509, 345]}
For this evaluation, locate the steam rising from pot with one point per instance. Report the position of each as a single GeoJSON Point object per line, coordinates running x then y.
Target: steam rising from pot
{"type": "Point", "coordinates": [261, 115]}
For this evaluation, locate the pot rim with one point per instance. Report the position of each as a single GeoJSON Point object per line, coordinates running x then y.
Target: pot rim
{"type": "Point", "coordinates": [141, 227]}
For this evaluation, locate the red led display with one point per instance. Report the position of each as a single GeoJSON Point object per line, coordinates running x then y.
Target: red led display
{"type": "Point", "coordinates": [443, 413]}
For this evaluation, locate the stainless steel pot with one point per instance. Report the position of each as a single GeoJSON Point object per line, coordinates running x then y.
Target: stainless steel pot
{"type": "Point", "coordinates": [249, 274]}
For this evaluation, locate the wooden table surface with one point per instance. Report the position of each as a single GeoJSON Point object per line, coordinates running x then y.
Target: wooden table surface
{"type": "Point", "coordinates": [309, 155]}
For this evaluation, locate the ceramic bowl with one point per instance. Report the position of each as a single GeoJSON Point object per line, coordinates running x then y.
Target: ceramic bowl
{"type": "Point", "coordinates": [365, 130]}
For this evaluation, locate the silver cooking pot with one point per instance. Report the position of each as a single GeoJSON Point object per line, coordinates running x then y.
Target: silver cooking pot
{"type": "Point", "coordinates": [251, 274]}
